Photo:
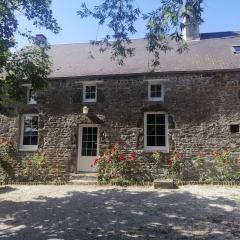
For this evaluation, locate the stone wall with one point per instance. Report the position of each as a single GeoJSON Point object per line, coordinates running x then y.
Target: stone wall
{"type": "Point", "coordinates": [201, 107]}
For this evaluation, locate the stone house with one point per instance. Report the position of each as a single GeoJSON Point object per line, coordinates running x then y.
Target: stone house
{"type": "Point", "coordinates": [190, 103]}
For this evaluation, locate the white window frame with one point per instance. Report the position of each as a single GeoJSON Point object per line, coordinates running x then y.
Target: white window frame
{"type": "Point", "coordinates": [28, 148]}
{"type": "Point", "coordinates": [158, 99]}
{"type": "Point", "coordinates": [156, 148]}
{"type": "Point", "coordinates": [32, 101]}
{"type": "Point", "coordinates": [84, 92]}
{"type": "Point", "coordinates": [29, 87]}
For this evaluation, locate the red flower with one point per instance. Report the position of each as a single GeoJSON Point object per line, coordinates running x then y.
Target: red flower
{"type": "Point", "coordinates": [95, 162]}
{"type": "Point", "coordinates": [121, 157]}
{"type": "Point", "coordinates": [110, 159]}
{"type": "Point", "coordinates": [132, 156]}
{"type": "Point", "coordinates": [170, 162]}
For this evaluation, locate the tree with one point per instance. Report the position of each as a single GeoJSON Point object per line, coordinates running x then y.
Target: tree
{"type": "Point", "coordinates": [30, 64]}
{"type": "Point", "coordinates": [164, 25]}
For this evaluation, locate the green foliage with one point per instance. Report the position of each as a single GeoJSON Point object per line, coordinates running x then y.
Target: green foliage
{"type": "Point", "coordinates": [30, 64]}
{"type": "Point", "coordinates": [34, 169]}
{"type": "Point", "coordinates": [164, 25]}
{"type": "Point", "coordinates": [118, 167]}
{"type": "Point", "coordinates": [7, 154]}
{"type": "Point", "coordinates": [176, 165]}
{"type": "Point", "coordinates": [217, 166]}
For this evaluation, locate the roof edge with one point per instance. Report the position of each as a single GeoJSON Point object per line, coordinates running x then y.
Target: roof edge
{"type": "Point", "coordinates": [146, 73]}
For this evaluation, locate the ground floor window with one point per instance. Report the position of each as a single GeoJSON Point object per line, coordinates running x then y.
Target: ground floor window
{"type": "Point", "coordinates": [155, 131]}
{"type": "Point", "coordinates": [29, 133]}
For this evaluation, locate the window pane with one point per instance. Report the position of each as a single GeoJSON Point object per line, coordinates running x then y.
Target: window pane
{"type": "Point", "coordinates": [88, 89]}
{"type": "Point", "coordinates": [94, 152]}
{"type": "Point", "coordinates": [89, 152]}
{"type": "Point", "coordinates": [28, 131]}
{"type": "Point", "coordinates": [90, 130]}
{"type": "Point", "coordinates": [87, 95]}
{"type": "Point", "coordinates": [92, 95]}
{"type": "Point", "coordinates": [89, 145]}
{"type": "Point", "coordinates": [84, 130]}
{"type": "Point", "coordinates": [151, 130]}
{"type": "Point", "coordinates": [160, 130]}
{"type": "Point", "coordinates": [26, 140]}
{"type": "Point", "coordinates": [34, 140]}
{"type": "Point", "coordinates": [94, 138]}
{"type": "Point", "coordinates": [161, 141]}
{"type": "Point", "coordinates": [151, 141]}
{"type": "Point", "coordinates": [151, 119]}
{"type": "Point", "coordinates": [94, 130]}
{"type": "Point", "coordinates": [35, 120]}
{"type": "Point", "coordinates": [160, 118]}
{"type": "Point", "coordinates": [93, 89]}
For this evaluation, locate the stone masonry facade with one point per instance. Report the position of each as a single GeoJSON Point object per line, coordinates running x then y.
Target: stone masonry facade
{"type": "Point", "coordinates": [201, 106]}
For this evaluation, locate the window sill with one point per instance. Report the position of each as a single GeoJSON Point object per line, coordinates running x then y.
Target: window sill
{"type": "Point", "coordinates": [32, 103]}
{"type": "Point", "coordinates": [89, 101]}
{"type": "Point", "coordinates": [155, 99]}
{"type": "Point", "coordinates": [33, 149]}
{"type": "Point", "coordinates": [163, 150]}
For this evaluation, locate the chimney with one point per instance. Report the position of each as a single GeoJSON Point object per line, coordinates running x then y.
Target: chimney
{"type": "Point", "coordinates": [40, 40]}
{"type": "Point", "coordinates": [191, 30]}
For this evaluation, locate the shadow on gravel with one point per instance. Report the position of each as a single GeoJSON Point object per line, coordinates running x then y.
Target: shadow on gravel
{"type": "Point", "coordinates": [120, 214]}
{"type": "Point", "coordinates": [6, 189]}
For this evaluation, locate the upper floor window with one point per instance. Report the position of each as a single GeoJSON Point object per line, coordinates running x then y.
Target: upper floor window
{"type": "Point", "coordinates": [90, 92]}
{"type": "Point", "coordinates": [155, 131]}
{"type": "Point", "coordinates": [236, 49]}
{"type": "Point", "coordinates": [29, 132]}
{"type": "Point", "coordinates": [155, 91]}
{"type": "Point", "coordinates": [31, 95]}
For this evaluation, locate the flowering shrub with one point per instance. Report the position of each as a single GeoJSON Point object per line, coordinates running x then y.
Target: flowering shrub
{"type": "Point", "coordinates": [119, 167]}
{"type": "Point", "coordinates": [176, 164]}
{"type": "Point", "coordinates": [36, 169]}
{"type": "Point", "coordinates": [223, 163]}
{"type": "Point", "coordinates": [32, 170]}
{"type": "Point", "coordinates": [6, 156]}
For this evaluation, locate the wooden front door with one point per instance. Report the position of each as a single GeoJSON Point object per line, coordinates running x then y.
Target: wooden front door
{"type": "Point", "coordinates": [88, 147]}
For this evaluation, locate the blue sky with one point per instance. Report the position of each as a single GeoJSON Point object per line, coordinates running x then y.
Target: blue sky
{"type": "Point", "coordinates": [219, 15]}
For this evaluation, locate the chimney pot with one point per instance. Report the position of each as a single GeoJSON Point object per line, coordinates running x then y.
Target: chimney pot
{"type": "Point", "coordinates": [191, 29]}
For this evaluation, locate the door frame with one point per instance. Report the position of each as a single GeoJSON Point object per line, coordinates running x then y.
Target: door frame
{"type": "Point", "coordinates": [80, 131]}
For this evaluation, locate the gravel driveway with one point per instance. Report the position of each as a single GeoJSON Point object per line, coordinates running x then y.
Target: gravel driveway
{"type": "Point", "coordinates": [91, 212]}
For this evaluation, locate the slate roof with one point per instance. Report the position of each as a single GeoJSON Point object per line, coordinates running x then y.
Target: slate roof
{"type": "Point", "coordinates": [212, 52]}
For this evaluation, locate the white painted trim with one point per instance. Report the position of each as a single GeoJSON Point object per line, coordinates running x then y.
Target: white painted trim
{"type": "Point", "coordinates": [156, 148]}
{"type": "Point", "coordinates": [155, 99]}
{"type": "Point", "coordinates": [84, 92]}
{"type": "Point", "coordinates": [81, 126]}
{"type": "Point", "coordinates": [28, 148]}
